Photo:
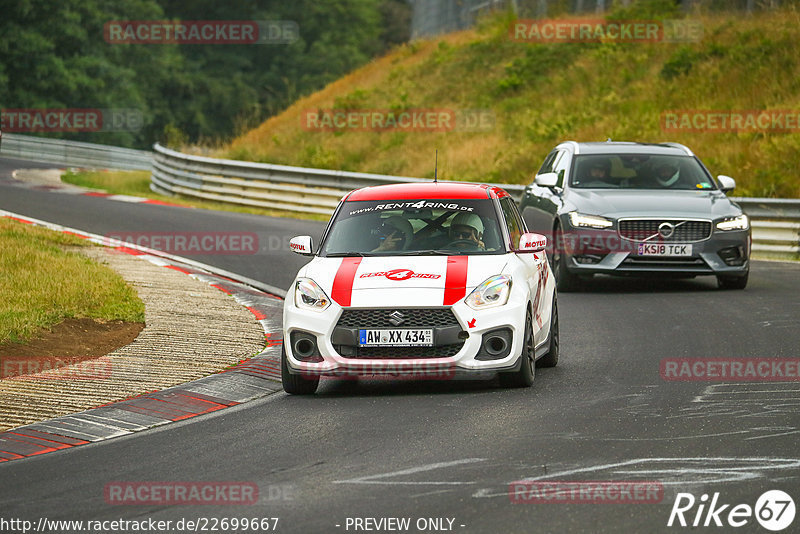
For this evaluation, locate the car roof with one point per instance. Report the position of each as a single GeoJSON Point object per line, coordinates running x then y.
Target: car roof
{"type": "Point", "coordinates": [626, 147]}
{"type": "Point", "coordinates": [427, 190]}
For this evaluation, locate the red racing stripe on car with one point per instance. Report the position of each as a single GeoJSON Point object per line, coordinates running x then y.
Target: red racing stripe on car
{"type": "Point", "coordinates": [342, 290]}
{"type": "Point", "coordinates": [455, 280]}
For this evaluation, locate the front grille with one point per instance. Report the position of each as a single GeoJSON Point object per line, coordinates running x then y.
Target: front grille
{"type": "Point", "coordinates": [658, 263]}
{"type": "Point", "coordinates": [391, 353]}
{"type": "Point", "coordinates": [440, 319]}
{"type": "Point", "coordinates": [412, 318]}
{"type": "Point", "coordinates": [686, 231]}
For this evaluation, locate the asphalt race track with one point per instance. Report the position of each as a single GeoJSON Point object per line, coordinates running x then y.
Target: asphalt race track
{"type": "Point", "coordinates": [449, 450]}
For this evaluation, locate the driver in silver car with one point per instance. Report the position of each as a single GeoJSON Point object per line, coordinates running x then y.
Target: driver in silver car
{"type": "Point", "coordinates": [600, 170]}
{"type": "Point", "coordinates": [667, 174]}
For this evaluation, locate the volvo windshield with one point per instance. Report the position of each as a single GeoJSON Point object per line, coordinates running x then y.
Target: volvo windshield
{"type": "Point", "coordinates": [639, 171]}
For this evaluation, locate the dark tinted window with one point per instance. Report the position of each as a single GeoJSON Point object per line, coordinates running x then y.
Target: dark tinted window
{"type": "Point", "coordinates": [547, 165]}
{"type": "Point", "coordinates": [560, 165]}
{"type": "Point", "coordinates": [511, 216]}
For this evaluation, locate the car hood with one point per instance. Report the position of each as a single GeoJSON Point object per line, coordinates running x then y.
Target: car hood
{"type": "Point", "coordinates": [643, 203]}
{"type": "Point", "coordinates": [393, 281]}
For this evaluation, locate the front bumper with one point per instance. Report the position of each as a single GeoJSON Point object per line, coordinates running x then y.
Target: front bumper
{"type": "Point", "coordinates": [458, 350]}
{"type": "Point", "coordinates": [605, 252]}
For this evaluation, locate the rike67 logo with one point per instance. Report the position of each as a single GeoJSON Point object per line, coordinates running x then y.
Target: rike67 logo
{"type": "Point", "coordinates": [774, 510]}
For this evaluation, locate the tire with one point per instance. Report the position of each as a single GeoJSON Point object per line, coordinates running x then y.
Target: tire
{"type": "Point", "coordinates": [565, 280]}
{"type": "Point", "coordinates": [733, 282]}
{"type": "Point", "coordinates": [551, 358]}
{"type": "Point", "coordinates": [296, 384]}
{"type": "Point", "coordinates": [523, 378]}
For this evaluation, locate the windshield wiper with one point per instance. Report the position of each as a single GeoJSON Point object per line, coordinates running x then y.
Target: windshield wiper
{"type": "Point", "coordinates": [432, 252]}
{"type": "Point", "coordinates": [427, 252]}
{"type": "Point", "coordinates": [438, 252]}
{"type": "Point", "coordinates": [344, 254]}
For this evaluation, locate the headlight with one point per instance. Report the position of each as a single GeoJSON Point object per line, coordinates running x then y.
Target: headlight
{"type": "Point", "coordinates": [309, 296]}
{"type": "Point", "coordinates": [734, 223]}
{"type": "Point", "coordinates": [491, 293]}
{"type": "Point", "coordinates": [592, 221]}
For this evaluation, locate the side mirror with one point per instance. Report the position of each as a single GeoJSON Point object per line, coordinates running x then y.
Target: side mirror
{"type": "Point", "coordinates": [726, 183]}
{"type": "Point", "coordinates": [302, 244]}
{"type": "Point", "coordinates": [547, 179]}
{"type": "Point", "coordinates": [531, 242]}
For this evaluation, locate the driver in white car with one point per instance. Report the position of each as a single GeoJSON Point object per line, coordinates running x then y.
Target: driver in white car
{"type": "Point", "coordinates": [396, 234]}
{"type": "Point", "coordinates": [467, 227]}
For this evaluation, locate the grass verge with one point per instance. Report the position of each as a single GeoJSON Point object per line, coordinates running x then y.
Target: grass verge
{"type": "Point", "coordinates": [542, 94]}
{"type": "Point", "coordinates": [137, 183]}
{"type": "Point", "coordinates": [42, 284]}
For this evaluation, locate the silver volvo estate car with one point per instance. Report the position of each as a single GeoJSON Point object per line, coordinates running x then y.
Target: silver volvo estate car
{"type": "Point", "coordinates": [636, 209]}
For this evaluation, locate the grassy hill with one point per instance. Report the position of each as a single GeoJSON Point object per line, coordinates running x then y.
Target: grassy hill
{"type": "Point", "coordinates": [541, 94]}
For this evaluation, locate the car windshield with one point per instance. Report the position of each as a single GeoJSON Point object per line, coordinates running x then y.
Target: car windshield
{"type": "Point", "coordinates": [414, 227]}
{"type": "Point", "coordinates": [639, 171]}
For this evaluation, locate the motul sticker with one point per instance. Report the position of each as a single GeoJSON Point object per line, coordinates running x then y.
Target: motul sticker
{"type": "Point", "coordinates": [534, 244]}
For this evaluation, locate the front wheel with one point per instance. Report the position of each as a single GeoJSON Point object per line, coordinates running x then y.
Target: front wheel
{"type": "Point", "coordinates": [296, 384]}
{"type": "Point", "coordinates": [551, 358]}
{"type": "Point", "coordinates": [522, 378]}
{"type": "Point", "coordinates": [565, 280]}
{"type": "Point", "coordinates": [733, 282]}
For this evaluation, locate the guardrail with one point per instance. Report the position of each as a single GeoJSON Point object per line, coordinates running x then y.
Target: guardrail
{"type": "Point", "coordinates": [258, 184]}
{"type": "Point", "coordinates": [776, 222]}
{"type": "Point", "coordinates": [264, 185]}
{"type": "Point", "coordinates": [74, 153]}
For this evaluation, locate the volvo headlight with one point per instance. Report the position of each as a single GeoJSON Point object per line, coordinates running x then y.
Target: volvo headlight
{"type": "Point", "coordinates": [492, 292]}
{"type": "Point", "coordinates": [579, 220]}
{"type": "Point", "coordinates": [309, 296]}
{"type": "Point", "coordinates": [742, 222]}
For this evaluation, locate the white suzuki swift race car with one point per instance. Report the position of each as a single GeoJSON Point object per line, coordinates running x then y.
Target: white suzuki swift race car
{"type": "Point", "coordinates": [421, 280]}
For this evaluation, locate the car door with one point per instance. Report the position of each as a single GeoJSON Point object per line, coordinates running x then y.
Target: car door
{"type": "Point", "coordinates": [533, 265]}
{"type": "Point", "coordinates": [530, 205]}
{"type": "Point", "coordinates": [540, 204]}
